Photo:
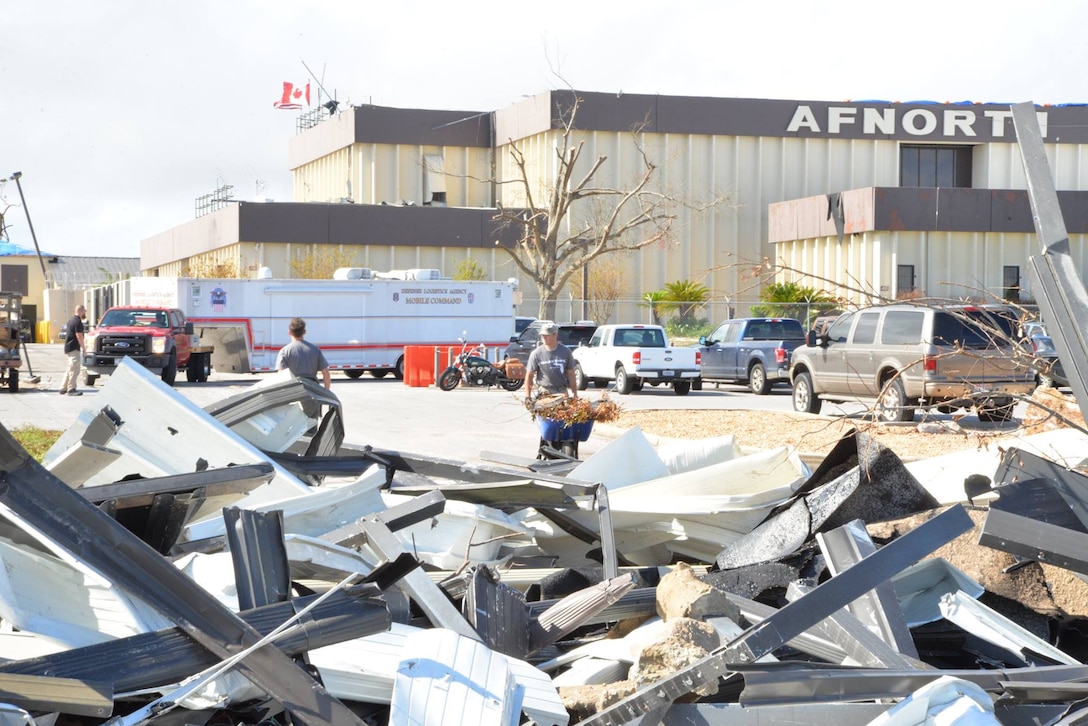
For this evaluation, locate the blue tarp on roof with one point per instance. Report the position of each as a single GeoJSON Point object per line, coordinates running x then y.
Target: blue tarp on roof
{"type": "Point", "coordinates": [10, 248]}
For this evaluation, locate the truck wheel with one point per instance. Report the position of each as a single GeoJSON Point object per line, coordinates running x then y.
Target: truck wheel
{"type": "Point", "coordinates": [192, 371]}
{"type": "Point", "coordinates": [353, 374]}
{"type": "Point", "coordinates": [170, 372]}
{"type": "Point", "coordinates": [205, 368]}
{"type": "Point", "coordinates": [624, 384]}
{"type": "Point", "coordinates": [13, 380]}
{"type": "Point", "coordinates": [379, 372]}
{"type": "Point", "coordinates": [681, 387]}
{"type": "Point", "coordinates": [398, 369]}
{"type": "Point", "coordinates": [997, 410]}
{"type": "Point", "coordinates": [893, 405]}
{"type": "Point", "coordinates": [804, 399]}
{"type": "Point", "coordinates": [757, 380]}
{"type": "Point", "coordinates": [580, 379]}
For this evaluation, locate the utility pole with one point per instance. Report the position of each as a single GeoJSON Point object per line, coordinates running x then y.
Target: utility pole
{"type": "Point", "coordinates": [17, 176]}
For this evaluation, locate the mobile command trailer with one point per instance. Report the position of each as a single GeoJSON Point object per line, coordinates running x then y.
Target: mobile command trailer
{"type": "Point", "coordinates": [360, 325]}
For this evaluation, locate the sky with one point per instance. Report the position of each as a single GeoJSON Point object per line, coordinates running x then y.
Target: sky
{"type": "Point", "coordinates": [121, 113]}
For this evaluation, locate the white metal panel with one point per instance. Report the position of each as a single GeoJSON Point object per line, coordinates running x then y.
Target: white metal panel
{"type": "Point", "coordinates": [364, 669]}
{"type": "Point", "coordinates": [63, 600]}
{"type": "Point", "coordinates": [165, 433]}
{"type": "Point", "coordinates": [447, 678]}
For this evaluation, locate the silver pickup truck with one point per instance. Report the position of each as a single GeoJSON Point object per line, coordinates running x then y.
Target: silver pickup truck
{"type": "Point", "coordinates": [632, 355]}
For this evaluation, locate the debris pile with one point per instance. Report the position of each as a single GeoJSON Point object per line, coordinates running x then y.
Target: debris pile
{"type": "Point", "coordinates": [572, 410]}
{"type": "Point", "coordinates": [242, 564]}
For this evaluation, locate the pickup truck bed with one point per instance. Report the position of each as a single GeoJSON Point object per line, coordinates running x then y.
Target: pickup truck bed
{"type": "Point", "coordinates": [752, 351]}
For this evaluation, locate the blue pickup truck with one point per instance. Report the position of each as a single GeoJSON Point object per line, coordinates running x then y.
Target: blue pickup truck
{"type": "Point", "coordinates": [753, 351]}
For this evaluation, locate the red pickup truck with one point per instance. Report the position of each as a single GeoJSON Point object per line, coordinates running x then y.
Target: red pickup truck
{"type": "Point", "coordinates": [160, 339]}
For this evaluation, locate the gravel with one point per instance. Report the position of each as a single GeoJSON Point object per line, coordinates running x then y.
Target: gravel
{"type": "Point", "coordinates": [817, 434]}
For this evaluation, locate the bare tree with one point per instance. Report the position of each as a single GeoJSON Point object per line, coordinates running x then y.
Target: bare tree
{"type": "Point", "coordinates": [581, 219]}
{"type": "Point", "coordinates": [605, 281]}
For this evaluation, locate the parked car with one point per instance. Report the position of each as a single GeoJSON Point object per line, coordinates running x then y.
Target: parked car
{"type": "Point", "coordinates": [1048, 367]}
{"type": "Point", "coordinates": [632, 355]}
{"type": "Point", "coordinates": [570, 334]}
{"type": "Point", "coordinates": [521, 322]}
{"type": "Point", "coordinates": [752, 351]}
{"type": "Point", "coordinates": [907, 356]}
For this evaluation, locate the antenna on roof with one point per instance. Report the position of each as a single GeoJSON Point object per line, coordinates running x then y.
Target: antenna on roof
{"type": "Point", "coordinates": [320, 85]}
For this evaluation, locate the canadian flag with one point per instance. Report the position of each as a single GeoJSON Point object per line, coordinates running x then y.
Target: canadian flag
{"type": "Point", "coordinates": [294, 97]}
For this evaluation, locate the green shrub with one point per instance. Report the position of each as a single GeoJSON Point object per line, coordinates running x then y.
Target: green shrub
{"type": "Point", "coordinates": [679, 328]}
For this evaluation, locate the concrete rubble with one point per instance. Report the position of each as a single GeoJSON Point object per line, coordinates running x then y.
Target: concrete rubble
{"type": "Point", "coordinates": [271, 573]}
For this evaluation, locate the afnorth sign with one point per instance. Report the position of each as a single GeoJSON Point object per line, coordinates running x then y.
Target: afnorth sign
{"type": "Point", "coordinates": [924, 123]}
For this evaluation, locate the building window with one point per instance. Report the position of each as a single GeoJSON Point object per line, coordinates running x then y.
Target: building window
{"type": "Point", "coordinates": [434, 180]}
{"type": "Point", "coordinates": [935, 166]}
{"type": "Point", "coordinates": [1010, 283]}
{"type": "Point", "coordinates": [15, 278]}
{"type": "Point", "coordinates": [904, 279]}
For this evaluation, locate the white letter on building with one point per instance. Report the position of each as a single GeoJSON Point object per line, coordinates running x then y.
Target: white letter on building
{"type": "Point", "coordinates": [997, 118]}
{"type": "Point", "coordinates": [837, 116]}
{"type": "Point", "coordinates": [803, 117]}
{"type": "Point", "coordinates": [878, 120]}
{"type": "Point", "coordinates": [962, 120]}
{"type": "Point", "coordinates": [929, 122]}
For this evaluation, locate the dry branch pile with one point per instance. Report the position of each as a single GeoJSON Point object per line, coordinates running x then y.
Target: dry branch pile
{"type": "Point", "coordinates": [573, 410]}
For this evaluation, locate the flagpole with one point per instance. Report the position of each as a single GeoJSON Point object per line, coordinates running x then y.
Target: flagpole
{"type": "Point", "coordinates": [320, 88]}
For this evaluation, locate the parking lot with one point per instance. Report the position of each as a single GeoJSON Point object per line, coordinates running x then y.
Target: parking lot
{"type": "Point", "coordinates": [386, 413]}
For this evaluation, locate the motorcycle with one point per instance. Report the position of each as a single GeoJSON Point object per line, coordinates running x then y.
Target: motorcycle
{"type": "Point", "coordinates": [472, 369]}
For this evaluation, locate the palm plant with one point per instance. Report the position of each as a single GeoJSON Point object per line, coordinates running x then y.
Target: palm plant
{"type": "Point", "coordinates": [684, 297]}
{"type": "Point", "coordinates": [653, 300]}
{"type": "Point", "coordinates": [792, 300]}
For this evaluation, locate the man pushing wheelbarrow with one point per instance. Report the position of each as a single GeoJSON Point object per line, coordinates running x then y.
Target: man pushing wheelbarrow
{"type": "Point", "coordinates": [549, 376]}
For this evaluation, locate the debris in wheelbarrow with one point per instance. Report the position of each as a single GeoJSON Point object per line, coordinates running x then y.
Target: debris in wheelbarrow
{"type": "Point", "coordinates": [564, 422]}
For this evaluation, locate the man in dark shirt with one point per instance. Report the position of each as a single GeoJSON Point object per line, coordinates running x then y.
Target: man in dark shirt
{"type": "Point", "coordinates": [74, 348]}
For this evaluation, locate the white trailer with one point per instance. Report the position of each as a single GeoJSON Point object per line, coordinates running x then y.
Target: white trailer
{"type": "Point", "coordinates": [360, 324]}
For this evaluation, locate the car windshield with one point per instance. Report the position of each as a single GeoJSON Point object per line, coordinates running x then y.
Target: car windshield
{"type": "Point", "coordinates": [574, 336]}
{"type": "Point", "coordinates": [786, 329]}
{"type": "Point", "coordinates": [139, 318]}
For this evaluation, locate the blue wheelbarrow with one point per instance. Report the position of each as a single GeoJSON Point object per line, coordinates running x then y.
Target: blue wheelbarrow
{"type": "Point", "coordinates": [559, 440]}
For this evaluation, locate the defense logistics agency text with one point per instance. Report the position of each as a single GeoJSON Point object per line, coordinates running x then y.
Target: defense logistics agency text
{"type": "Point", "coordinates": [443, 296]}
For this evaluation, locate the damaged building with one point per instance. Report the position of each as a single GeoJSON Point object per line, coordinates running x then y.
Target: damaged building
{"type": "Point", "coordinates": [242, 563]}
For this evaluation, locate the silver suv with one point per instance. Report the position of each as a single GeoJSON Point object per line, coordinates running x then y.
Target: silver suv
{"type": "Point", "coordinates": [908, 356]}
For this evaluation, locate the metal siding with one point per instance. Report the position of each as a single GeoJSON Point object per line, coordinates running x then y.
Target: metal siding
{"type": "Point", "coordinates": [384, 125]}
{"type": "Point", "coordinates": [1010, 210]}
{"type": "Point", "coordinates": [962, 210]}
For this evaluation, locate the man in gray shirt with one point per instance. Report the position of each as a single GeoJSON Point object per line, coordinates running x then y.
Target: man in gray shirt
{"type": "Point", "coordinates": [551, 365]}
{"type": "Point", "coordinates": [301, 357]}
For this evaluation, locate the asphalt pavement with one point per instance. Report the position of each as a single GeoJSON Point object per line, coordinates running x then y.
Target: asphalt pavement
{"type": "Point", "coordinates": [466, 424]}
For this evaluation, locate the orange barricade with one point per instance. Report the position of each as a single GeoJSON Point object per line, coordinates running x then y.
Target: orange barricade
{"type": "Point", "coordinates": [419, 363]}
